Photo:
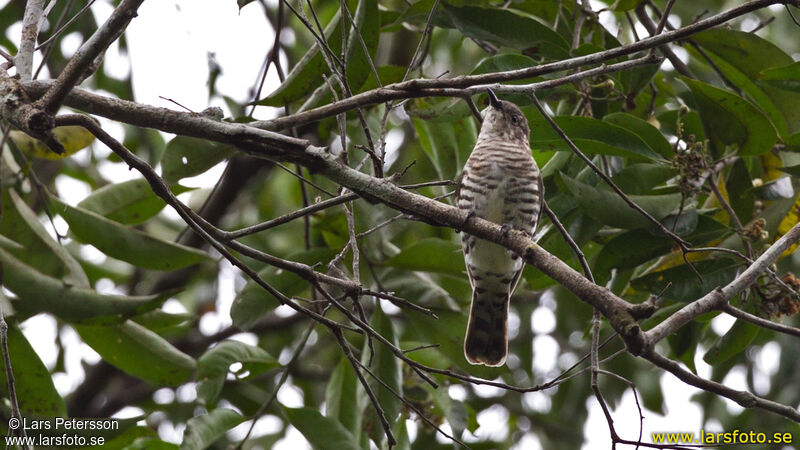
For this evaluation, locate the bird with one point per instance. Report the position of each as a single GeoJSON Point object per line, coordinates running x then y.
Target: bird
{"type": "Point", "coordinates": [502, 184]}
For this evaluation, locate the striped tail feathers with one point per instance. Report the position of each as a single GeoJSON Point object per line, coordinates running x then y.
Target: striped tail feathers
{"type": "Point", "coordinates": [486, 341]}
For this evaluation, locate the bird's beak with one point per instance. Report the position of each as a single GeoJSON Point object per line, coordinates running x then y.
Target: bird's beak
{"type": "Point", "coordinates": [493, 100]}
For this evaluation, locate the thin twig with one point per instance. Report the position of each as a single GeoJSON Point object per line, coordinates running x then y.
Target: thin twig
{"type": "Point", "coordinates": [49, 48]}
{"type": "Point", "coordinates": [731, 214]}
{"type": "Point", "coordinates": [12, 390]}
{"type": "Point", "coordinates": [363, 44]}
{"type": "Point", "coordinates": [412, 63]}
{"type": "Point", "coordinates": [95, 46]}
{"type": "Point", "coordinates": [303, 179]}
{"type": "Point", "coordinates": [284, 376]}
{"type": "Point", "coordinates": [387, 428]}
{"type": "Point", "coordinates": [571, 242]}
{"type": "Point", "coordinates": [273, 56]}
{"type": "Point", "coordinates": [664, 17]}
{"type": "Point", "coordinates": [410, 405]}
{"type": "Point", "coordinates": [763, 323]}
{"type": "Point", "coordinates": [644, 19]}
{"type": "Point", "coordinates": [66, 25]}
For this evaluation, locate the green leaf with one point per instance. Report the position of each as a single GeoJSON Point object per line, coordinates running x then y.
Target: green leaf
{"type": "Point", "coordinates": [400, 431]}
{"type": "Point", "coordinates": [306, 75]}
{"type": "Point", "coordinates": [388, 75]}
{"type": "Point", "coordinates": [323, 433]}
{"type": "Point", "coordinates": [447, 144]}
{"type": "Point", "coordinates": [793, 170]}
{"type": "Point", "coordinates": [126, 440]}
{"type": "Point", "coordinates": [691, 124]}
{"type": "Point", "coordinates": [624, 5]}
{"type": "Point", "coordinates": [635, 247]}
{"type": "Point", "coordinates": [344, 397]}
{"type": "Point", "coordinates": [748, 87]}
{"type": "Point", "coordinates": [641, 178]}
{"type": "Point", "coordinates": [610, 209]}
{"type": "Point", "coordinates": [126, 244]}
{"type": "Point", "coordinates": [747, 52]}
{"type": "Point", "coordinates": [750, 54]}
{"type": "Point", "coordinates": [448, 332]}
{"type": "Point", "coordinates": [129, 202]}
{"type": "Point", "coordinates": [36, 248]}
{"type": "Point", "coordinates": [386, 366]}
{"type": "Point", "coordinates": [148, 443]}
{"type": "Point", "coordinates": [732, 343]}
{"type": "Point", "coordinates": [503, 63]}
{"type": "Point", "coordinates": [732, 120]}
{"type": "Point", "coordinates": [187, 156]}
{"type": "Point", "coordinates": [430, 255]}
{"type": "Point", "coordinates": [646, 132]}
{"type": "Point", "coordinates": [438, 112]}
{"type": "Point", "coordinates": [37, 293]}
{"type": "Point", "coordinates": [34, 385]}
{"type": "Point", "coordinates": [785, 77]}
{"type": "Point", "coordinates": [108, 433]}
{"type": "Point", "coordinates": [368, 17]}
{"type": "Point", "coordinates": [683, 343]}
{"type": "Point", "coordinates": [590, 135]}
{"type": "Point", "coordinates": [507, 28]}
{"type": "Point", "coordinates": [140, 352]}
{"type": "Point", "coordinates": [740, 193]}
{"type": "Point", "coordinates": [253, 302]}
{"type": "Point", "coordinates": [686, 287]}
{"type": "Point", "coordinates": [158, 320]}
{"type": "Point", "coordinates": [213, 366]}
{"type": "Point", "coordinates": [628, 250]}
{"type": "Point", "coordinates": [202, 431]}
{"type": "Point", "coordinates": [8, 244]}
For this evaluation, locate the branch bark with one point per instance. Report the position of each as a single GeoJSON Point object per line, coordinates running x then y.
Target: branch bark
{"type": "Point", "coordinates": [34, 10]}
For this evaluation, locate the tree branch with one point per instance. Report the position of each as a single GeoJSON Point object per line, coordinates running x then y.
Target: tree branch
{"type": "Point", "coordinates": [34, 11]}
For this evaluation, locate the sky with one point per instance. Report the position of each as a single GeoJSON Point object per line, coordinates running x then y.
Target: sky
{"type": "Point", "coordinates": [169, 45]}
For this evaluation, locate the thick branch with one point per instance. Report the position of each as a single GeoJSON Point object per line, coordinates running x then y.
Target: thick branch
{"type": "Point", "coordinates": [16, 107]}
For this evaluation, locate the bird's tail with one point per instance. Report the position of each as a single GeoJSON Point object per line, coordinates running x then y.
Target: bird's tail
{"type": "Point", "coordinates": [486, 341]}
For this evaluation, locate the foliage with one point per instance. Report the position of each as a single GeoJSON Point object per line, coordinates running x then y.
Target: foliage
{"type": "Point", "coordinates": [665, 136]}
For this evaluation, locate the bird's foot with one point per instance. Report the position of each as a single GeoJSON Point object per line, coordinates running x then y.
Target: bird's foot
{"type": "Point", "coordinates": [505, 229]}
{"type": "Point", "coordinates": [470, 213]}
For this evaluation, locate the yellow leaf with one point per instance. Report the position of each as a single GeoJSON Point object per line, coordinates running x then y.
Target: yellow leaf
{"type": "Point", "coordinates": [73, 138]}
{"type": "Point", "coordinates": [790, 220]}
{"type": "Point", "coordinates": [772, 165]}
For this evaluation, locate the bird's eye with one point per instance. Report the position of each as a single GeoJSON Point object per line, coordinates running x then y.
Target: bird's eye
{"type": "Point", "coordinates": [515, 120]}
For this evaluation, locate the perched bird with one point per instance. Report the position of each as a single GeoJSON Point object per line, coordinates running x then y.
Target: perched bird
{"type": "Point", "coordinates": [500, 183]}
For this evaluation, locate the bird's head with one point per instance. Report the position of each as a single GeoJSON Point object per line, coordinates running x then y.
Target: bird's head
{"type": "Point", "coordinates": [504, 120]}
